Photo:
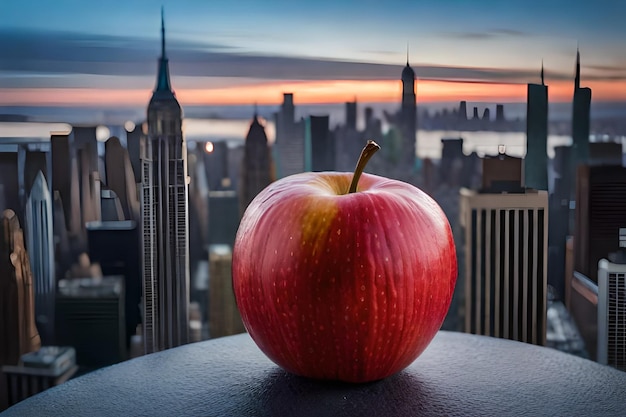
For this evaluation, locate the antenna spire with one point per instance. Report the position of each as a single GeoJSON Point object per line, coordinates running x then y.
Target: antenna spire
{"type": "Point", "coordinates": [577, 78]}
{"type": "Point", "coordinates": [163, 78]}
{"type": "Point", "coordinates": [162, 33]}
{"type": "Point", "coordinates": [542, 74]}
{"type": "Point", "coordinates": [407, 53]}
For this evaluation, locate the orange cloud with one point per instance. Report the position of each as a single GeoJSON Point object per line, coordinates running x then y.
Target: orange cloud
{"type": "Point", "coordinates": [310, 92]}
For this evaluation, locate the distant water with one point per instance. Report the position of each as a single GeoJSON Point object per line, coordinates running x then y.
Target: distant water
{"type": "Point", "coordinates": [428, 141]}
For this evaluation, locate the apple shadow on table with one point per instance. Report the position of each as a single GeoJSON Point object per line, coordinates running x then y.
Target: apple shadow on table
{"type": "Point", "coordinates": [285, 394]}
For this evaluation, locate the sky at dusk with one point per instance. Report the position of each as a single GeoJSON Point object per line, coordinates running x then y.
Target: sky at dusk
{"type": "Point", "coordinates": [76, 52]}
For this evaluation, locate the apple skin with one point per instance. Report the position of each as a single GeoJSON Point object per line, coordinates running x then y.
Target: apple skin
{"type": "Point", "coordinates": [335, 286]}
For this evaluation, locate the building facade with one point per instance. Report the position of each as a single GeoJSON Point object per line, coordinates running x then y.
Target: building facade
{"type": "Point", "coordinates": [600, 213]}
{"type": "Point", "coordinates": [506, 241]}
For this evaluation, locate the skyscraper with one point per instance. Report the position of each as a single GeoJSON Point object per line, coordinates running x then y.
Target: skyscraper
{"type": "Point", "coordinates": [351, 114]}
{"type": "Point", "coordinates": [40, 243]}
{"type": "Point", "coordinates": [506, 264]}
{"type": "Point", "coordinates": [500, 113]}
{"type": "Point", "coordinates": [289, 145]}
{"type": "Point", "coordinates": [90, 317]}
{"type": "Point", "coordinates": [506, 243]}
{"type": "Point", "coordinates": [256, 166]}
{"type": "Point", "coordinates": [463, 110]}
{"type": "Point", "coordinates": [536, 160]}
{"type": "Point", "coordinates": [120, 177]}
{"type": "Point", "coordinates": [408, 115]}
{"type": "Point", "coordinates": [580, 125]}
{"type": "Point", "coordinates": [320, 144]}
{"type": "Point", "coordinates": [600, 213]}
{"type": "Point", "coordinates": [224, 318]}
{"type": "Point", "coordinates": [164, 218]}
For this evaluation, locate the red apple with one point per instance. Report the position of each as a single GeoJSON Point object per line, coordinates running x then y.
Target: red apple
{"type": "Point", "coordinates": [340, 285]}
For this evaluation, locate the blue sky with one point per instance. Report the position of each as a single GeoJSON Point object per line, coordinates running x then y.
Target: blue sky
{"type": "Point", "coordinates": [114, 43]}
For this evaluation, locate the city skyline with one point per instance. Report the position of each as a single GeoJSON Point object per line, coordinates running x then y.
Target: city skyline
{"type": "Point", "coordinates": [66, 53]}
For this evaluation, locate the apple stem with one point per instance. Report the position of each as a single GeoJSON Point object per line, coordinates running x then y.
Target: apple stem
{"type": "Point", "coordinates": [370, 149]}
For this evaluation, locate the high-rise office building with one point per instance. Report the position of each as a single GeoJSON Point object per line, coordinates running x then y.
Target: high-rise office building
{"type": "Point", "coordinates": [580, 125]}
{"type": "Point", "coordinates": [451, 162]}
{"type": "Point", "coordinates": [288, 112]}
{"type": "Point", "coordinates": [351, 114]}
{"type": "Point", "coordinates": [506, 243]}
{"type": "Point", "coordinates": [9, 181]}
{"type": "Point", "coordinates": [84, 147]}
{"type": "Point", "coordinates": [500, 113]}
{"type": "Point", "coordinates": [114, 245]}
{"type": "Point", "coordinates": [224, 318]}
{"type": "Point", "coordinates": [164, 218]}
{"type": "Point", "coordinates": [120, 177]}
{"type": "Point", "coordinates": [90, 318]}
{"type": "Point", "coordinates": [65, 180]}
{"type": "Point", "coordinates": [536, 160]}
{"type": "Point", "coordinates": [40, 243]}
{"type": "Point", "coordinates": [256, 167]}
{"type": "Point", "coordinates": [133, 142]}
{"type": "Point", "coordinates": [319, 144]}
{"type": "Point", "coordinates": [600, 213]}
{"type": "Point", "coordinates": [290, 144]}
{"type": "Point", "coordinates": [83, 141]}
{"type": "Point", "coordinates": [217, 170]}
{"type": "Point", "coordinates": [224, 217]}
{"type": "Point", "coordinates": [62, 174]}
{"type": "Point", "coordinates": [600, 200]}
{"type": "Point", "coordinates": [463, 110]}
{"type": "Point", "coordinates": [558, 219]}
{"type": "Point", "coordinates": [408, 115]}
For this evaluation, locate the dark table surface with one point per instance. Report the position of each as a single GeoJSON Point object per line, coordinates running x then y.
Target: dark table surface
{"type": "Point", "coordinates": [458, 375]}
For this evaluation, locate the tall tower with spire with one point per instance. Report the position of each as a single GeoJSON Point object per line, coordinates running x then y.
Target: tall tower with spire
{"type": "Point", "coordinates": [580, 125]}
{"type": "Point", "coordinates": [164, 218]}
{"type": "Point", "coordinates": [256, 167]}
{"type": "Point", "coordinates": [408, 114]}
